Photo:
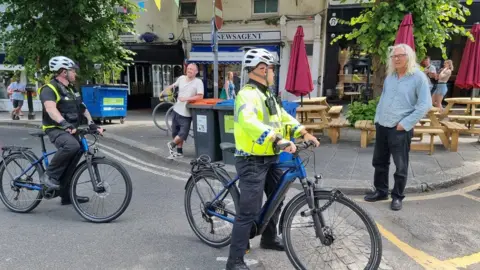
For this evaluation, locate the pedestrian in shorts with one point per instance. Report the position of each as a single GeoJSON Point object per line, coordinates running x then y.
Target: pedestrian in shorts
{"type": "Point", "coordinates": [18, 90]}
{"type": "Point", "coordinates": [190, 89]}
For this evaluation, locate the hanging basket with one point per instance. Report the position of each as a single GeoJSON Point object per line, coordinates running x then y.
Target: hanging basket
{"type": "Point", "coordinates": [148, 37]}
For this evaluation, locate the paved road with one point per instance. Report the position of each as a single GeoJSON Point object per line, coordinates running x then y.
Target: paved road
{"type": "Point", "coordinates": [429, 233]}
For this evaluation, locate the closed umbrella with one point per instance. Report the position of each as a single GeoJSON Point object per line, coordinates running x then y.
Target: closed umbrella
{"type": "Point", "coordinates": [299, 80]}
{"type": "Point", "coordinates": [468, 75]}
{"type": "Point", "coordinates": [405, 32]}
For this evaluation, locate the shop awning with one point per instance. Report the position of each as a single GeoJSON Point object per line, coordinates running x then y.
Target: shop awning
{"type": "Point", "coordinates": [202, 54]}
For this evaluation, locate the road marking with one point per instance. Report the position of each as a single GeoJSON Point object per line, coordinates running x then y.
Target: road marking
{"type": "Point", "coordinates": [144, 168]}
{"type": "Point", "coordinates": [143, 162]}
{"type": "Point", "coordinates": [471, 197]}
{"type": "Point", "coordinates": [461, 192]}
{"type": "Point", "coordinates": [465, 261]}
{"type": "Point", "coordinates": [248, 262]}
{"type": "Point", "coordinates": [422, 258]}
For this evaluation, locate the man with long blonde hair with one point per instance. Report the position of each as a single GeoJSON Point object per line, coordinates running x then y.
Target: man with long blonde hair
{"type": "Point", "coordinates": [405, 100]}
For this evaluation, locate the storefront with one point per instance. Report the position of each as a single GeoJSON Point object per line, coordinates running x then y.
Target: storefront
{"type": "Point", "coordinates": [340, 76]}
{"type": "Point", "coordinates": [234, 38]}
{"type": "Point", "coordinates": [344, 75]}
{"type": "Point", "coordinates": [155, 67]}
{"type": "Point", "coordinates": [454, 51]}
{"type": "Point", "coordinates": [230, 53]}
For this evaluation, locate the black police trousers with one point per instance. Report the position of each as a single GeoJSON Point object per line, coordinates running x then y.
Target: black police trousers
{"type": "Point", "coordinates": [256, 175]}
{"type": "Point", "coordinates": [68, 147]}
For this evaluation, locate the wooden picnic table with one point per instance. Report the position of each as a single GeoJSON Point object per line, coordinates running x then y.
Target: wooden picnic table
{"type": "Point", "coordinates": [435, 123]}
{"type": "Point", "coordinates": [313, 112]}
{"type": "Point", "coordinates": [313, 100]}
{"type": "Point", "coordinates": [470, 102]}
{"type": "Point", "coordinates": [469, 118]}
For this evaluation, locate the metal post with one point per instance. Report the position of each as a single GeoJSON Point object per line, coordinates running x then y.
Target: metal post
{"type": "Point", "coordinates": [31, 114]}
{"type": "Point", "coordinates": [215, 54]}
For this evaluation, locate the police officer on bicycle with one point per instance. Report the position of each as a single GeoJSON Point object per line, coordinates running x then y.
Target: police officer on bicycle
{"type": "Point", "coordinates": [260, 123]}
{"type": "Point", "coordinates": [62, 112]}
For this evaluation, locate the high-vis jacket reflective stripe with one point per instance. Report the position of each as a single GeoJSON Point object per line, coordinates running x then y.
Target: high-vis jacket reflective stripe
{"type": "Point", "coordinates": [57, 95]}
{"type": "Point", "coordinates": [254, 127]}
{"type": "Point", "coordinates": [67, 105]}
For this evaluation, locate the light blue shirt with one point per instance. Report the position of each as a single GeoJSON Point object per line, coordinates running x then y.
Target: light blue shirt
{"type": "Point", "coordinates": [20, 87]}
{"type": "Point", "coordinates": [405, 100]}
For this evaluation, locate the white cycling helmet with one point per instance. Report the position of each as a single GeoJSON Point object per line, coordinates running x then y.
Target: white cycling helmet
{"type": "Point", "coordinates": [255, 56]}
{"type": "Point", "coordinates": [58, 62]}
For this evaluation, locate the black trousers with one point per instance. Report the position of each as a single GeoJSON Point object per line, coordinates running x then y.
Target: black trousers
{"type": "Point", "coordinates": [256, 175]}
{"type": "Point", "coordinates": [68, 147]}
{"type": "Point", "coordinates": [390, 141]}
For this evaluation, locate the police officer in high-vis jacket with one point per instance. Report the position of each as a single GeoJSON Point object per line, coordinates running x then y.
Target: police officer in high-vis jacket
{"type": "Point", "coordinates": [259, 124]}
{"type": "Point", "coordinates": [63, 111]}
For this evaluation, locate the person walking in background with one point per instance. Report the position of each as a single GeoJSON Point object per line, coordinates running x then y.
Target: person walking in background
{"type": "Point", "coordinates": [18, 90]}
{"type": "Point", "coordinates": [190, 89]}
{"type": "Point", "coordinates": [404, 101]}
{"type": "Point", "coordinates": [230, 86]}
{"type": "Point", "coordinates": [442, 89]}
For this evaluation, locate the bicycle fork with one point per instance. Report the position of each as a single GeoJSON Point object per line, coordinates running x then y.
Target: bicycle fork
{"type": "Point", "coordinates": [315, 211]}
{"type": "Point", "coordinates": [94, 175]}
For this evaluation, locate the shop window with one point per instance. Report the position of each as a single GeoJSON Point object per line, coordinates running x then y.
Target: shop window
{"type": "Point", "coordinates": [265, 6]}
{"type": "Point", "coordinates": [187, 8]}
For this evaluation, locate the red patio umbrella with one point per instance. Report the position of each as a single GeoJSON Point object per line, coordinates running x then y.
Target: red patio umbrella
{"type": "Point", "coordinates": [405, 32]}
{"type": "Point", "coordinates": [299, 80]}
{"type": "Point", "coordinates": [468, 75]}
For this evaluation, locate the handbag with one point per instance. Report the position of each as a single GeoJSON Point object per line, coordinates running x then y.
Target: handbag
{"type": "Point", "coordinates": [223, 94]}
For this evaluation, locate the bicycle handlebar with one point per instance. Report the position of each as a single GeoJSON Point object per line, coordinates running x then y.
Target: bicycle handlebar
{"type": "Point", "coordinates": [300, 146]}
{"type": "Point", "coordinates": [86, 131]}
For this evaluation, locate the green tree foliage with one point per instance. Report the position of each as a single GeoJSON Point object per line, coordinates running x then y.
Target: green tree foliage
{"type": "Point", "coordinates": [375, 29]}
{"type": "Point", "coordinates": [86, 31]}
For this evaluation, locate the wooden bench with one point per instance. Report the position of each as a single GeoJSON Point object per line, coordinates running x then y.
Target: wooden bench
{"type": "Point", "coordinates": [334, 128]}
{"type": "Point", "coordinates": [464, 117]}
{"type": "Point", "coordinates": [367, 131]}
{"type": "Point", "coordinates": [313, 127]}
{"type": "Point", "coordinates": [454, 130]}
{"type": "Point", "coordinates": [335, 111]}
{"type": "Point", "coordinates": [424, 121]}
{"type": "Point", "coordinates": [423, 146]}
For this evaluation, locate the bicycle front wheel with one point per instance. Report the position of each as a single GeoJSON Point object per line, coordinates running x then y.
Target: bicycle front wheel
{"type": "Point", "coordinates": [159, 116]}
{"type": "Point", "coordinates": [355, 242]}
{"type": "Point", "coordinates": [111, 201]}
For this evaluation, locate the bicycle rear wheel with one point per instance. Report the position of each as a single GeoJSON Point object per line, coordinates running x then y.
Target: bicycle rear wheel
{"type": "Point", "coordinates": [22, 199]}
{"type": "Point", "coordinates": [82, 186]}
{"type": "Point", "coordinates": [206, 226]}
{"type": "Point", "coordinates": [346, 232]}
{"type": "Point", "coordinates": [159, 117]}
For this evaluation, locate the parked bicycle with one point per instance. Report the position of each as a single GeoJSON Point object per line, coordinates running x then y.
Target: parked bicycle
{"type": "Point", "coordinates": [166, 104]}
{"type": "Point", "coordinates": [336, 233]}
{"type": "Point", "coordinates": [21, 180]}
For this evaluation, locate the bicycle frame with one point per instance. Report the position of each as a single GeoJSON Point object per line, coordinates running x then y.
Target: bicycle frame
{"type": "Point", "coordinates": [44, 158]}
{"type": "Point", "coordinates": [293, 169]}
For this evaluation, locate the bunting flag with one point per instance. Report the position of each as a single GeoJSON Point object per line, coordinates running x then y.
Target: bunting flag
{"type": "Point", "coordinates": [158, 3]}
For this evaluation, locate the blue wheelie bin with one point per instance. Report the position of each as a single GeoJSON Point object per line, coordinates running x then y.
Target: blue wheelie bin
{"type": "Point", "coordinates": [106, 102]}
{"type": "Point", "coordinates": [291, 108]}
{"type": "Point", "coordinates": [225, 118]}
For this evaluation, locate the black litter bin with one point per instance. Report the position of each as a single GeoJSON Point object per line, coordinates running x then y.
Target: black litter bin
{"type": "Point", "coordinates": [225, 118]}
{"type": "Point", "coordinates": [206, 128]}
